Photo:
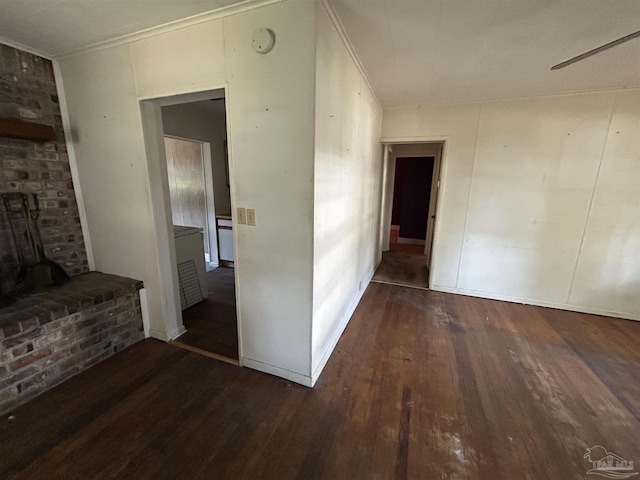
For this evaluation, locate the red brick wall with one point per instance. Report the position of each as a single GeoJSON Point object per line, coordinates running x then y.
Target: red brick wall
{"type": "Point", "coordinates": [28, 91]}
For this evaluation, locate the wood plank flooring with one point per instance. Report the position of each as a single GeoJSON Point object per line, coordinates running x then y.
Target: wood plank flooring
{"type": "Point", "coordinates": [422, 385]}
{"type": "Point", "coordinates": [212, 324]}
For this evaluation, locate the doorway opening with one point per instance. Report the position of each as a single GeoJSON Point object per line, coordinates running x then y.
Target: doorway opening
{"type": "Point", "coordinates": [193, 158]}
{"type": "Point", "coordinates": [412, 177]}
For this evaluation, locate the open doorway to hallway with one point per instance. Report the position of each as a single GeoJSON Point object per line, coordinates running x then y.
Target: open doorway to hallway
{"type": "Point", "coordinates": [412, 185]}
{"type": "Point", "coordinates": [198, 192]}
{"type": "Point", "coordinates": [195, 137]}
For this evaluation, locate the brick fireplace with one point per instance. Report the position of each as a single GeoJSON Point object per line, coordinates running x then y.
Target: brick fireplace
{"type": "Point", "coordinates": [48, 333]}
{"type": "Point", "coordinates": [28, 92]}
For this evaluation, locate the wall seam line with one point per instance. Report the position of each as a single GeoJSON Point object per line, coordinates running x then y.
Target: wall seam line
{"type": "Point", "coordinates": [466, 213]}
{"type": "Point", "coordinates": [593, 194]}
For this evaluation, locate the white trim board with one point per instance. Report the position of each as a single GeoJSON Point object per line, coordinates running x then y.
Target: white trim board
{"type": "Point", "coordinates": [144, 309]}
{"type": "Point", "coordinates": [73, 164]}
{"type": "Point", "coordinates": [158, 335]}
{"type": "Point", "coordinates": [227, 11]}
{"type": "Point", "coordinates": [24, 48]}
{"type": "Point", "coordinates": [537, 303]}
{"type": "Point", "coordinates": [277, 371]}
{"type": "Point", "coordinates": [335, 19]}
{"type": "Point", "coordinates": [519, 97]}
{"type": "Point", "coordinates": [418, 139]}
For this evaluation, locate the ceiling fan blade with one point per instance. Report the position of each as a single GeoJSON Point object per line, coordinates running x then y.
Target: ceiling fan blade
{"type": "Point", "coordinates": [602, 48]}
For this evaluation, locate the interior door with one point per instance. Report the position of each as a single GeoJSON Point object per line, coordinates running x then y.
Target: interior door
{"type": "Point", "coordinates": [431, 222]}
{"type": "Point", "coordinates": [185, 167]}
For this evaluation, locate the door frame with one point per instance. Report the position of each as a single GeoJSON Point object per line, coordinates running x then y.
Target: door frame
{"type": "Point", "coordinates": [389, 163]}
{"type": "Point", "coordinates": [151, 119]}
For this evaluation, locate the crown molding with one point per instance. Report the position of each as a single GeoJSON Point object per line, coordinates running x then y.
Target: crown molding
{"type": "Point", "coordinates": [24, 48]}
{"type": "Point", "coordinates": [199, 18]}
{"type": "Point", "coordinates": [335, 19]}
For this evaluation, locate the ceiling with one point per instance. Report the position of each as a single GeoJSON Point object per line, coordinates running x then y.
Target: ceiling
{"type": "Point", "coordinates": [414, 51]}
{"type": "Point", "coordinates": [444, 51]}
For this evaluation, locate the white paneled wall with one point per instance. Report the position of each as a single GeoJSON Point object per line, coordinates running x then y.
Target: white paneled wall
{"type": "Point", "coordinates": [540, 198]}
{"type": "Point", "coordinates": [608, 270]}
{"type": "Point", "coordinates": [271, 126]}
{"type": "Point", "coordinates": [347, 189]}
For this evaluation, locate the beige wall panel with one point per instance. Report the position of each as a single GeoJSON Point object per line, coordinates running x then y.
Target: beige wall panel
{"type": "Point", "coordinates": [608, 271]}
{"type": "Point", "coordinates": [535, 166]}
{"type": "Point", "coordinates": [271, 101]}
{"type": "Point", "coordinates": [533, 178]}
{"type": "Point", "coordinates": [112, 168]}
{"type": "Point", "coordinates": [347, 188]}
{"type": "Point", "coordinates": [457, 125]}
{"type": "Point", "coordinates": [188, 59]}
{"type": "Point", "coordinates": [271, 104]}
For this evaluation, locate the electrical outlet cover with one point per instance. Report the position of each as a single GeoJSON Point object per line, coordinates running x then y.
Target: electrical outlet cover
{"type": "Point", "coordinates": [242, 216]}
{"type": "Point", "coordinates": [251, 217]}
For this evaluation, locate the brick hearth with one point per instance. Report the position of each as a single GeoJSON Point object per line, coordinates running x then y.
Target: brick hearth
{"type": "Point", "coordinates": [49, 337]}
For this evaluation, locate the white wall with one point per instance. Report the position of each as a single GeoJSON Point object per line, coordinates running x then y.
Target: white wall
{"type": "Point", "coordinates": [204, 121]}
{"type": "Point", "coordinates": [271, 118]}
{"type": "Point", "coordinates": [347, 189]}
{"type": "Point", "coordinates": [540, 198]}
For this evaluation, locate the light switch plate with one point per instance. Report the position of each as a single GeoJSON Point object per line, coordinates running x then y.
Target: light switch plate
{"type": "Point", "coordinates": [251, 217]}
{"type": "Point", "coordinates": [242, 216]}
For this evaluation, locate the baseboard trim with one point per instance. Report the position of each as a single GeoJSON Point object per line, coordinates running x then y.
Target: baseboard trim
{"type": "Point", "coordinates": [177, 332]}
{"type": "Point", "coordinates": [277, 371]}
{"type": "Point", "coordinates": [158, 335]}
{"type": "Point", "coordinates": [210, 266]}
{"type": "Point", "coordinates": [144, 309]}
{"type": "Point", "coordinates": [338, 333]}
{"type": "Point", "coordinates": [538, 303]}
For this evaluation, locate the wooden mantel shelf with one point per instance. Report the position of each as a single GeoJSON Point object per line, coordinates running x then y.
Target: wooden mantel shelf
{"type": "Point", "coordinates": [16, 128]}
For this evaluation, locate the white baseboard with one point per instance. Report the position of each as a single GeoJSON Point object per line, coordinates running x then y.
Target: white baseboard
{"type": "Point", "coordinates": [158, 335]}
{"type": "Point", "coordinates": [538, 303]}
{"type": "Point", "coordinates": [277, 371]}
{"type": "Point", "coordinates": [339, 331]}
{"type": "Point", "coordinates": [144, 308]}
{"type": "Point", "coordinates": [209, 266]}
{"type": "Point", "coordinates": [177, 332]}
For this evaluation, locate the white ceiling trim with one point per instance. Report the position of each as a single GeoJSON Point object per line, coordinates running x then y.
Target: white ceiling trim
{"type": "Point", "coordinates": [352, 52]}
{"type": "Point", "coordinates": [199, 18]}
{"type": "Point", "coordinates": [24, 48]}
{"type": "Point", "coordinates": [569, 93]}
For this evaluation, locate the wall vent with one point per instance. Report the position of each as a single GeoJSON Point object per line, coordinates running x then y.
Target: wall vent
{"type": "Point", "coordinates": [190, 292]}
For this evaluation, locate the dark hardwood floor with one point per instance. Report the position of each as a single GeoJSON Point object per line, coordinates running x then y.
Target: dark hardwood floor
{"type": "Point", "coordinates": [422, 385]}
{"type": "Point", "coordinates": [212, 324]}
